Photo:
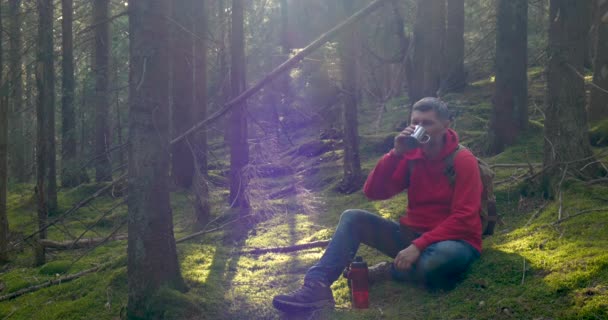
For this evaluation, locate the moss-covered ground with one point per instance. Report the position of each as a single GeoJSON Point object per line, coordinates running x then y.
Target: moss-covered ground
{"type": "Point", "coordinates": [534, 267]}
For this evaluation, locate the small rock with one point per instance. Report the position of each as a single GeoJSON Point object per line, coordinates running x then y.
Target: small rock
{"type": "Point", "coordinates": [482, 303]}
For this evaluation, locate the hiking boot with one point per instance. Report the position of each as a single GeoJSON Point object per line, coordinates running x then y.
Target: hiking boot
{"type": "Point", "coordinates": [311, 296]}
{"type": "Point", "coordinates": [380, 272]}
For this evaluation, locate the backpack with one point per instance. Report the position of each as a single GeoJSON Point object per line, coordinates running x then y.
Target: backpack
{"type": "Point", "coordinates": [488, 201]}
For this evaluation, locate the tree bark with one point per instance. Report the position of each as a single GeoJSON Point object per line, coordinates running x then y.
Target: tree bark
{"type": "Point", "coordinates": [3, 157]}
{"type": "Point", "coordinates": [566, 130]}
{"type": "Point", "coordinates": [598, 101]}
{"type": "Point", "coordinates": [349, 50]}
{"type": "Point", "coordinates": [101, 57]}
{"type": "Point", "coordinates": [152, 256]}
{"type": "Point", "coordinates": [454, 78]}
{"type": "Point", "coordinates": [70, 176]}
{"type": "Point", "coordinates": [510, 102]}
{"type": "Point", "coordinates": [45, 150]}
{"type": "Point", "coordinates": [18, 146]}
{"type": "Point", "coordinates": [239, 149]}
{"type": "Point", "coordinates": [424, 64]}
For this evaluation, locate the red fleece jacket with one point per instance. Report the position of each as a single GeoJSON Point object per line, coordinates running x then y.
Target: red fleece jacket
{"type": "Point", "coordinates": [436, 209]}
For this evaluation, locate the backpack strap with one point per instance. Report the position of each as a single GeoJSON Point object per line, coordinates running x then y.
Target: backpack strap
{"type": "Point", "coordinates": [449, 171]}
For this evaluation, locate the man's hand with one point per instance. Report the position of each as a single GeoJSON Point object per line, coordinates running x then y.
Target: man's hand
{"type": "Point", "coordinates": [406, 258]}
{"type": "Point", "coordinates": [400, 144]}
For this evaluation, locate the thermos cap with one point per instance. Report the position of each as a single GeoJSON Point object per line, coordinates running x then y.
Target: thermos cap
{"type": "Point", "coordinates": [358, 263]}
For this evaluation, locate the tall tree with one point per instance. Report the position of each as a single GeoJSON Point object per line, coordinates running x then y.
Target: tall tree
{"type": "Point", "coordinates": [598, 102]}
{"type": "Point", "coordinates": [454, 78]}
{"type": "Point", "coordinates": [199, 70]}
{"type": "Point", "coordinates": [46, 185]}
{"type": "Point", "coordinates": [3, 159]}
{"type": "Point", "coordinates": [348, 49]}
{"type": "Point", "coordinates": [189, 88]}
{"type": "Point", "coordinates": [424, 63]}
{"type": "Point", "coordinates": [239, 149]}
{"type": "Point", "coordinates": [510, 102]}
{"type": "Point", "coordinates": [19, 145]}
{"type": "Point", "coordinates": [565, 130]}
{"type": "Point", "coordinates": [101, 53]}
{"type": "Point", "coordinates": [152, 256]}
{"type": "Point", "coordinates": [69, 163]}
{"type": "Point", "coordinates": [182, 58]}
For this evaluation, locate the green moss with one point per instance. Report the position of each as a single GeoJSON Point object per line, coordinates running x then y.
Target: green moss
{"type": "Point", "coordinates": [172, 304]}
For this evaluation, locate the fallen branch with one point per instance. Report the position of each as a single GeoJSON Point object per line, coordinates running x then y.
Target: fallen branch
{"type": "Point", "coordinates": [50, 283]}
{"type": "Point", "coordinates": [578, 214]}
{"type": "Point", "coordinates": [73, 209]}
{"type": "Point", "coordinates": [297, 247]}
{"type": "Point", "coordinates": [515, 165]}
{"type": "Point", "coordinates": [537, 213]}
{"type": "Point", "coordinates": [595, 181]}
{"type": "Point", "coordinates": [79, 244]}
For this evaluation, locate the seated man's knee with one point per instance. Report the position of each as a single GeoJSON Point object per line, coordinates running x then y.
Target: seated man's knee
{"type": "Point", "coordinates": [352, 216]}
{"type": "Point", "coordinates": [443, 265]}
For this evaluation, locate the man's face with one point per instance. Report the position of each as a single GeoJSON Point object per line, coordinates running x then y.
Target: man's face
{"type": "Point", "coordinates": [434, 126]}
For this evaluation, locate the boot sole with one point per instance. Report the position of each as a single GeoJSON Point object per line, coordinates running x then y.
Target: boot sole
{"type": "Point", "coordinates": [291, 306]}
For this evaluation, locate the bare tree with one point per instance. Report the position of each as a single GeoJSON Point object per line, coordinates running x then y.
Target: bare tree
{"type": "Point", "coordinates": [510, 102]}
{"type": "Point", "coordinates": [152, 257]}
{"type": "Point", "coordinates": [101, 58]}
{"type": "Point", "coordinates": [454, 78]}
{"type": "Point", "coordinates": [598, 102]}
{"type": "Point", "coordinates": [19, 145]}
{"type": "Point", "coordinates": [566, 134]}
{"type": "Point", "coordinates": [46, 186]}
{"type": "Point", "coordinates": [3, 159]}
{"type": "Point", "coordinates": [69, 174]}
{"type": "Point", "coordinates": [348, 49]}
{"type": "Point", "coordinates": [239, 149]}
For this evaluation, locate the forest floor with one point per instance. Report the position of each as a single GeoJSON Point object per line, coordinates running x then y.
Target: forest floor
{"type": "Point", "coordinates": [534, 267]}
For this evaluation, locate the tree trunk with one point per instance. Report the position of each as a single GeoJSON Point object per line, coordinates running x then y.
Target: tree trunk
{"type": "Point", "coordinates": [69, 163]}
{"type": "Point", "coordinates": [3, 158]}
{"type": "Point", "coordinates": [152, 257]}
{"type": "Point", "coordinates": [18, 146]}
{"type": "Point", "coordinates": [349, 50]}
{"type": "Point", "coordinates": [565, 131]}
{"type": "Point", "coordinates": [199, 96]}
{"type": "Point", "coordinates": [454, 78]}
{"type": "Point", "coordinates": [239, 149]}
{"type": "Point", "coordinates": [510, 102]}
{"type": "Point", "coordinates": [103, 167]}
{"type": "Point", "coordinates": [425, 59]}
{"type": "Point", "coordinates": [45, 150]}
{"type": "Point", "coordinates": [182, 168]}
{"type": "Point", "coordinates": [598, 102]}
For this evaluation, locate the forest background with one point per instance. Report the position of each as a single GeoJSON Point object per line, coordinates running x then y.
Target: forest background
{"type": "Point", "coordinates": [190, 159]}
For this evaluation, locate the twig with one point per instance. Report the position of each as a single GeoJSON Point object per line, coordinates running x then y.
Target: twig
{"type": "Point", "coordinates": [561, 198]}
{"type": "Point", "coordinates": [297, 247]}
{"type": "Point", "coordinates": [196, 234]}
{"type": "Point", "coordinates": [536, 213]}
{"type": "Point", "coordinates": [51, 283]}
{"type": "Point", "coordinates": [594, 181]}
{"type": "Point", "coordinates": [583, 77]}
{"type": "Point", "coordinates": [523, 274]}
{"type": "Point", "coordinates": [78, 244]}
{"type": "Point", "coordinates": [578, 214]}
{"type": "Point", "coordinates": [515, 165]}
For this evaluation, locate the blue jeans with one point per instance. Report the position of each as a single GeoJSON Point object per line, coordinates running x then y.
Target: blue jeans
{"type": "Point", "coordinates": [440, 265]}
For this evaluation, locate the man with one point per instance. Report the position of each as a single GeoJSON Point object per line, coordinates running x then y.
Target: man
{"type": "Point", "coordinates": [436, 241]}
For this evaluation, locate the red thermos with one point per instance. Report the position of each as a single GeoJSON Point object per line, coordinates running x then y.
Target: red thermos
{"type": "Point", "coordinates": [359, 284]}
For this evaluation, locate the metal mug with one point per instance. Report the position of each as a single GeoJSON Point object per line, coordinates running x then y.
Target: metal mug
{"type": "Point", "coordinates": [418, 137]}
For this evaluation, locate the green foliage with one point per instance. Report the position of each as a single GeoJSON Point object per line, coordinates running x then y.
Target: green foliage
{"type": "Point", "coordinates": [55, 267]}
